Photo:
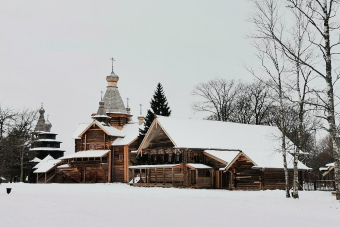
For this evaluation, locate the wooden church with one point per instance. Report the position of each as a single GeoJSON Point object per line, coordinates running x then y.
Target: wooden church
{"type": "Point", "coordinates": [102, 147]}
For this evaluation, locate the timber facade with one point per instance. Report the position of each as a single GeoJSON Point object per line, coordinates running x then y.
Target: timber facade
{"type": "Point", "coordinates": [169, 164]}
{"type": "Point", "coordinates": [102, 148]}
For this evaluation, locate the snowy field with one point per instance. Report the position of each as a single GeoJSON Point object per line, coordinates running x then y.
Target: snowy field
{"type": "Point", "coordinates": [49, 205]}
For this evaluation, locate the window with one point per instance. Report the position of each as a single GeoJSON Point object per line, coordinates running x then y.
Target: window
{"type": "Point", "coordinates": [169, 158]}
{"type": "Point", "coordinates": [177, 157]}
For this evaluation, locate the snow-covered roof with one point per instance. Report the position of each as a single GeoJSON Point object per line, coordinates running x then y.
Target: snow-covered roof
{"type": "Point", "coordinates": [224, 156]}
{"type": "Point", "coordinates": [108, 129]}
{"type": "Point", "coordinates": [46, 133]}
{"type": "Point", "coordinates": [130, 131]}
{"type": "Point", "coordinates": [46, 149]}
{"type": "Point", "coordinates": [260, 143]}
{"type": "Point", "coordinates": [47, 140]}
{"type": "Point", "coordinates": [87, 154]}
{"type": "Point", "coordinates": [2, 178]}
{"type": "Point", "coordinates": [198, 166]}
{"type": "Point", "coordinates": [103, 116]}
{"type": "Point", "coordinates": [47, 166]}
{"type": "Point", "coordinates": [42, 162]}
{"type": "Point", "coordinates": [323, 168]}
{"type": "Point", "coordinates": [36, 160]}
{"type": "Point", "coordinates": [330, 164]}
{"type": "Point", "coordinates": [79, 130]}
{"type": "Point", "coordinates": [153, 166]}
{"type": "Point", "coordinates": [63, 166]}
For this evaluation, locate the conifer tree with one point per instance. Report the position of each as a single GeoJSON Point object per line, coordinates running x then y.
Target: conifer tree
{"type": "Point", "coordinates": [159, 106]}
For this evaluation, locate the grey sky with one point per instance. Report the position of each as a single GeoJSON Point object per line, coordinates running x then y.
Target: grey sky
{"type": "Point", "coordinates": [58, 52]}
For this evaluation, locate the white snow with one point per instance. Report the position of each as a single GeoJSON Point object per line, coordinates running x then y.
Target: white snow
{"type": "Point", "coordinates": [130, 131]}
{"type": "Point", "coordinates": [46, 149]}
{"type": "Point", "coordinates": [47, 140]}
{"type": "Point", "coordinates": [63, 166]}
{"type": "Point", "coordinates": [47, 133]}
{"type": "Point", "coordinates": [2, 178]}
{"type": "Point", "coordinates": [42, 162]}
{"type": "Point", "coordinates": [112, 131]}
{"type": "Point", "coordinates": [226, 156]}
{"type": "Point", "coordinates": [88, 205]}
{"type": "Point", "coordinates": [87, 154]}
{"type": "Point", "coordinates": [330, 164]}
{"type": "Point", "coordinates": [36, 160]}
{"type": "Point", "coordinates": [47, 166]}
{"type": "Point", "coordinates": [79, 130]}
{"type": "Point", "coordinates": [153, 166]}
{"type": "Point", "coordinates": [198, 166]}
{"type": "Point", "coordinates": [260, 143]}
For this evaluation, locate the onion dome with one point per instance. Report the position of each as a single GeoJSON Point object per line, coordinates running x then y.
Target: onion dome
{"type": "Point", "coordinates": [112, 79]}
{"type": "Point", "coordinates": [48, 126]}
{"type": "Point", "coordinates": [41, 121]}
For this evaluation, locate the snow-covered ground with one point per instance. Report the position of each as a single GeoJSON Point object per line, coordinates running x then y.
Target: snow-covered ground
{"type": "Point", "coordinates": [49, 205]}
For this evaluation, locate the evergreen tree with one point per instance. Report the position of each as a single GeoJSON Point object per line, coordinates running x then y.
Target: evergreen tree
{"type": "Point", "coordinates": [159, 106]}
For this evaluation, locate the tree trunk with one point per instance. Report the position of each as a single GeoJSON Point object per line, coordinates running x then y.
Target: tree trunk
{"type": "Point", "coordinates": [283, 139]}
{"type": "Point", "coordinates": [22, 165]}
{"type": "Point", "coordinates": [330, 95]}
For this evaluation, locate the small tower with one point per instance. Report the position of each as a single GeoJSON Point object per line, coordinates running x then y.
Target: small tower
{"type": "Point", "coordinates": [44, 141]}
{"type": "Point", "coordinates": [113, 103]}
{"type": "Point", "coordinates": [140, 117]}
{"type": "Point", "coordinates": [101, 115]}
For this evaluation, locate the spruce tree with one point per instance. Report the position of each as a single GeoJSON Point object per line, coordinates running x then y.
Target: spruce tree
{"type": "Point", "coordinates": [159, 106]}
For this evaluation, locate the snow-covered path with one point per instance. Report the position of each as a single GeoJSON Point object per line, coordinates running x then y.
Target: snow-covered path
{"type": "Point", "coordinates": [52, 205]}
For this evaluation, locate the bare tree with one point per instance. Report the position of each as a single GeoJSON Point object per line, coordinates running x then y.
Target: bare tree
{"type": "Point", "coordinates": [15, 144]}
{"type": "Point", "coordinates": [273, 62]}
{"type": "Point", "coordinates": [218, 97]}
{"type": "Point", "coordinates": [321, 16]}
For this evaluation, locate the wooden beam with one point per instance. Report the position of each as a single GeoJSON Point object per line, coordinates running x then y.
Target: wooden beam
{"type": "Point", "coordinates": [133, 176]}
{"type": "Point", "coordinates": [85, 143]}
{"type": "Point", "coordinates": [109, 170]}
{"type": "Point", "coordinates": [126, 163]}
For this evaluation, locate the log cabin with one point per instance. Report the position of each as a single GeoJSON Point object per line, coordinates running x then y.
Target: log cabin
{"type": "Point", "coordinates": [212, 154]}
{"type": "Point", "coordinates": [102, 147]}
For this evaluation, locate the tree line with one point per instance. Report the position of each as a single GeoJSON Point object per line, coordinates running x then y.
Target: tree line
{"type": "Point", "coordinates": [16, 127]}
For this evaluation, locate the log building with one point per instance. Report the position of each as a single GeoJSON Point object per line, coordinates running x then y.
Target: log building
{"type": "Point", "coordinates": [102, 147]}
{"type": "Point", "coordinates": [212, 154]}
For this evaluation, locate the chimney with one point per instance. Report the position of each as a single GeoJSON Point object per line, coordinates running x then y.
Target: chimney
{"type": "Point", "coordinates": [140, 120]}
{"type": "Point", "coordinates": [128, 111]}
{"type": "Point", "coordinates": [140, 117]}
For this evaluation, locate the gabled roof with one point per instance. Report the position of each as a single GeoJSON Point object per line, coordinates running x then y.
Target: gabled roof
{"type": "Point", "coordinates": [260, 143]}
{"type": "Point", "coordinates": [109, 130]}
{"type": "Point", "coordinates": [42, 162]}
{"type": "Point", "coordinates": [81, 127]}
{"type": "Point", "coordinates": [226, 157]}
{"type": "Point", "coordinates": [130, 131]}
{"type": "Point", "coordinates": [47, 166]}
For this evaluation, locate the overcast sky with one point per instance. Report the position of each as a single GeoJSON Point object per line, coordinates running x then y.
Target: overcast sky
{"type": "Point", "coordinates": [58, 52]}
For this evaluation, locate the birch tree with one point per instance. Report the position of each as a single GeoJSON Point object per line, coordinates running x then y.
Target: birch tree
{"type": "Point", "coordinates": [273, 62]}
{"type": "Point", "coordinates": [323, 26]}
